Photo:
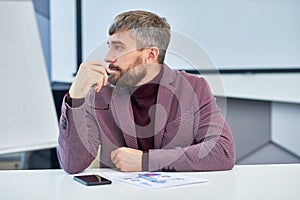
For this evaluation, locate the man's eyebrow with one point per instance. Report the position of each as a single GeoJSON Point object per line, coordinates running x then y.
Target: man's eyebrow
{"type": "Point", "coordinates": [115, 42]}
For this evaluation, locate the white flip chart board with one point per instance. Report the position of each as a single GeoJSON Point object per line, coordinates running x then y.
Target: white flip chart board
{"type": "Point", "coordinates": [28, 120]}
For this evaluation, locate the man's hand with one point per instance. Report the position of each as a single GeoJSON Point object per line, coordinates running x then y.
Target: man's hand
{"type": "Point", "coordinates": [90, 74]}
{"type": "Point", "coordinates": [127, 159]}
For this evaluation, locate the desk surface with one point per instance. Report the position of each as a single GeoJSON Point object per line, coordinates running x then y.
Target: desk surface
{"type": "Point", "coordinates": [243, 182]}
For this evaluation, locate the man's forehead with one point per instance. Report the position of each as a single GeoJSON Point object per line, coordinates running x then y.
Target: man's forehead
{"type": "Point", "coordinates": [120, 37]}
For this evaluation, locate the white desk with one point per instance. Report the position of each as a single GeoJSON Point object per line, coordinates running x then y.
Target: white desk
{"type": "Point", "coordinates": [243, 182]}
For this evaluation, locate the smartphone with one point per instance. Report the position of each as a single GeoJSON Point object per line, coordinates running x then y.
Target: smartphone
{"type": "Point", "coordinates": [92, 179]}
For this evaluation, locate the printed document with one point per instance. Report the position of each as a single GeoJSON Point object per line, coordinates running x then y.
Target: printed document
{"type": "Point", "coordinates": [155, 180]}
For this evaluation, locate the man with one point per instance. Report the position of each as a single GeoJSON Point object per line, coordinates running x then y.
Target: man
{"type": "Point", "coordinates": [143, 115]}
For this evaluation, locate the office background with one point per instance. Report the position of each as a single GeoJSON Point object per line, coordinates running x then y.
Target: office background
{"type": "Point", "coordinates": [265, 128]}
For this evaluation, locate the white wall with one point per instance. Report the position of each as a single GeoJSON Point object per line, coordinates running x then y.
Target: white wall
{"type": "Point", "coordinates": [63, 39]}
{"type": "Point", "coordinates": [236, 34]}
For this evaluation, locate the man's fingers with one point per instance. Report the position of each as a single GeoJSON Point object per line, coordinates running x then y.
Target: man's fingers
{"type": "Point", "coordinates": [105, 79]}
{"type": "Point", "coordinates": [102, 77]}
{"type": "Point", "coordinates": [90, 74]}
{"type": "Point", "coordinates": [113, 156]}
{"type": "Point", "coordinates": [103, 71]}
{"type": "Point", "coordinates": [116, 161]}
{"type": "Point", "coordinates": [97, 87]}
{"type": "Point", "coordinates": [118, 165]}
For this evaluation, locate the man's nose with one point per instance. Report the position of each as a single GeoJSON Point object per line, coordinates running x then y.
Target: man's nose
{"type": "Point", "coordinates": [110, 57]}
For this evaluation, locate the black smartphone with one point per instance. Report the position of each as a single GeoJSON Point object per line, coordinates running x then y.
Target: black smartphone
{"type": "Point", "coordinates": [92, 179]}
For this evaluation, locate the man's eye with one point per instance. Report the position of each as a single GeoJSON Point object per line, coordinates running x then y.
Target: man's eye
{"type": "Point", "coordinates": [118, 47]}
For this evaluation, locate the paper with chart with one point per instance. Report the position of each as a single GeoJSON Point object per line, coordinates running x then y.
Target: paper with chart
{"type": "Point", "coordinates": [155, 180]}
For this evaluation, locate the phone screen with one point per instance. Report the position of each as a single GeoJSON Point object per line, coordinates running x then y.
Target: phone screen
{"type": "Point", "coordinates": [92, 179]}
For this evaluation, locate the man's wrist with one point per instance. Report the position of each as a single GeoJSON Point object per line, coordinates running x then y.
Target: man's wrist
{"type": "Point", "coordinates": [74, 103]}
{"type": "Point", "coordinates": [145, 161]}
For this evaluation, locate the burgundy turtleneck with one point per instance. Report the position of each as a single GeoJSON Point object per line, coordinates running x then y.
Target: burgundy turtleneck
{"type": "Point", "coordinates": [142, 99]}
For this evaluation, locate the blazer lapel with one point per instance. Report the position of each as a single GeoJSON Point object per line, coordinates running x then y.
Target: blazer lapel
{"type": "Point", "coordinates": [123, 114]}
{"type": "Point", "coordinates": [163, 105]}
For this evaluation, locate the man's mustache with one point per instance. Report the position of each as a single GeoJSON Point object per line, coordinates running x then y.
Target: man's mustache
{"type": "Point", "coordinates": [114, 67]}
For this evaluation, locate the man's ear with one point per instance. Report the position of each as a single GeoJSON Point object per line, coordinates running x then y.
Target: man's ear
{"type": "Point", "coordinates": [152, 55]}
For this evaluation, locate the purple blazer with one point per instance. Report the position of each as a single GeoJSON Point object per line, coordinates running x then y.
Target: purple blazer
{"type": "Point", "coordinates": [190, 133]}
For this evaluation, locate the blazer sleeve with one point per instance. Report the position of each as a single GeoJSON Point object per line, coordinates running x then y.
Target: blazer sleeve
{"type": "Point", "coordinates": [212, 147]}
{"type": "Point", "coordinates": [79, 139]}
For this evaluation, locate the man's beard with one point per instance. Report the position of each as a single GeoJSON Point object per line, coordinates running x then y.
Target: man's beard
{"type": "Point", "coordinates": [130, 77]}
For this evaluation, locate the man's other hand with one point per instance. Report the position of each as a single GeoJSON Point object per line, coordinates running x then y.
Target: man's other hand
{"type": "Point", "coordinates": [127, 159]}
